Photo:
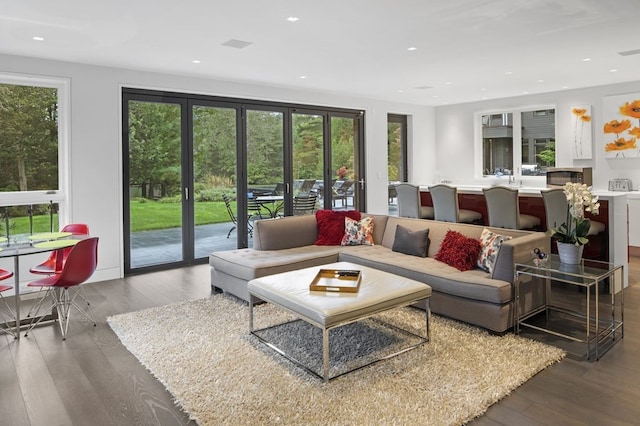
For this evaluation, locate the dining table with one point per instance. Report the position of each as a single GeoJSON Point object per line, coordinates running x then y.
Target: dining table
{"type": "Point", "coordinates": [19, 245]}
{"type": "Point", "coordinates": [271, 203]}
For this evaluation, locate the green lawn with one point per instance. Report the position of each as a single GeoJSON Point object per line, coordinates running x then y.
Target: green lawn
{"type": "Point", "coordinates": [151, 215]}
{"type": "Point", "coordinates": [145, 216]}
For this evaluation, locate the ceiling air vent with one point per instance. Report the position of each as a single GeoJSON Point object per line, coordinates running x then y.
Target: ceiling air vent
{"type": "Point", "coordinates": [630, 52]}
{"type": "Point", "coordinates": [237, 44]}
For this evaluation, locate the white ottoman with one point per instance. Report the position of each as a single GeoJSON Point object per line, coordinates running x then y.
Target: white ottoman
{"type": "Point", "coordinates": [379, 291]}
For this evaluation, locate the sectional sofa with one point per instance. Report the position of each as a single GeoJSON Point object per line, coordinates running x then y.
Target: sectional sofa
{"type": "Point", "coordinates": [473, 296]}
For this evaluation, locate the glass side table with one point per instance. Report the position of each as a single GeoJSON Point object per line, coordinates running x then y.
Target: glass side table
{"type": "Point", "coordinates": [582, 303]}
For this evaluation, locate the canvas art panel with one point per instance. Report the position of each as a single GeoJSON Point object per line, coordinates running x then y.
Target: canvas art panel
{"type": "Point", "coordinates": [581, 132]}
{"type": "Point", "coordinates": [621, 126]}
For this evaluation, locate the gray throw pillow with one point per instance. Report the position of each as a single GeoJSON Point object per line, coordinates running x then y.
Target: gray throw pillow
{"type": "Point", "coordinates": [415, 243]}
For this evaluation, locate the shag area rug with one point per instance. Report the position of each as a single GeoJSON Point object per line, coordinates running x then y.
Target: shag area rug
{"type": "Point", "coordinates": [202, 352]}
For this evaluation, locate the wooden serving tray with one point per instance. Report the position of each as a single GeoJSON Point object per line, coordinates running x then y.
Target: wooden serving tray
{"type": "Point", "coordinates": [336, 280]}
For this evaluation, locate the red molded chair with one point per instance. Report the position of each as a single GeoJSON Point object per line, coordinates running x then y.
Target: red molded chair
{"type": "Point", "coordinates": [10, 316]}
{"type": "Point", "coordinates": [58, 257]}
{"type": "Point", "coordinates": [64, 287]}
{"type": "Point", "coordinates": [48, 267]}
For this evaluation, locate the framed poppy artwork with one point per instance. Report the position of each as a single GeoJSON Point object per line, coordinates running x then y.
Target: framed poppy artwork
{"type": "Point", "coordinates": [581, 132]}
{"type": "Point", "coordinates": [621, 126]}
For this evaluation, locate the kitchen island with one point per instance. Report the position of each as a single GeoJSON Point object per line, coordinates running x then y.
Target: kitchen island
{"type": "Point", "coordinates": [611, 246]}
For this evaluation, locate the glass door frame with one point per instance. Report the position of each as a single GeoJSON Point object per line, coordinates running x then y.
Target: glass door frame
{"type": "Point", "coordinates": [187, 101]}
{"type": "Point", "coordinates": [185, 174]}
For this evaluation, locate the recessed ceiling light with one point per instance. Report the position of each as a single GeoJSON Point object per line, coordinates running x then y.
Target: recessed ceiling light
{"type": "Point", "coordinates": [586, 59]}
{"type": "Point", "coordinates": [38, 38]}
{"type": "Point", "coordinates": [449, 83]}
{"type": "Point", "coordinates": [292, 18]}
{"type": "Point", "coordinates": [540, 81]}
{"type": "Point", "coordinates": [525, 93]}
{"type": "Point", "coordinates": [196, 61]}
{"type": "Point", "coordinates": [483, 89]}
{"type": "Point", "coordinates": [400, 91]}
{"type": "Point", "coordinates": [565, 87]}
{"type": "Point", "coordinates": [435, 96]}
{"type": "Point", "coordinates": [508, 73]}
{"type": "Point", "coordinates": [613, 70]}
{"type": "Point", "coordinates": [303, 77]}
{"type": "Point", "coordinates": [412, 48]}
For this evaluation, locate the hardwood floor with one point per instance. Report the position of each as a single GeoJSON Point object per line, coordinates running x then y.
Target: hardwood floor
{"type": "Point", "coordinates": [91, 379]}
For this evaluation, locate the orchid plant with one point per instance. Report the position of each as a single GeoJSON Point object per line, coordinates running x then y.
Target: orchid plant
{"type": "Point", "coordinates": [575, 229]}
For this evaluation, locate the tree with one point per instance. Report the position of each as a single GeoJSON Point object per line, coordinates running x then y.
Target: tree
{"type": "Point", "coordinates": [29, 135]}
{"type": "Point", "coordinates": [154, 146]}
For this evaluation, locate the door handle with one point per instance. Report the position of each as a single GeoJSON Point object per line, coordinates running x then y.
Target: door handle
{"type": "Point", "coordinates": [361, 182]}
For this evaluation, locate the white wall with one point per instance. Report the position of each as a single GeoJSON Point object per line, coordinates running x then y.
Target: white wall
{"type": "Point", "coordinates": [95, 150]}
{"type": "Point", "coordinates": [455, 134]}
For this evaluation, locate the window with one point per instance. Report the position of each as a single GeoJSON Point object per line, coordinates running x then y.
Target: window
{"type": "Point", "coordinates": [502, 155]}
{"type": "Point", "coordinates": [397, 147]}
{"type": "Point", "coordinates": [33, 118]}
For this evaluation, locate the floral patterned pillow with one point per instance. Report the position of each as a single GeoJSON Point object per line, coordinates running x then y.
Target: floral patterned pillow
{"type": "Point", "coordinates": [491, 243]}
{"type": "Point", "coordinates": [358, 233]}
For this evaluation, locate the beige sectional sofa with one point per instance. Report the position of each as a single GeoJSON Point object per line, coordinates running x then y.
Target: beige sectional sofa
{"type": "Point", "coordinates": [474, 296]}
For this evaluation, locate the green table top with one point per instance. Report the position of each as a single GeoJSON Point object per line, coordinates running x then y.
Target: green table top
{"type": "Point", "coordinates": [56, 244]}
{"type": "Point", "coordinates": [43, 236]}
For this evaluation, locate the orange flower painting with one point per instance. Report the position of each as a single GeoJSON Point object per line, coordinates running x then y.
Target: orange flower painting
{"type": "Point", "coordinates": [622, 126]}
{"type": "Point", "coordinates": [581, 117]}
{"type": "Point", "coordinates": [617, 127]}
{"type": "Point", "coordinates": [631, 109]}
{"type": "Point", "coordinates": [620, 144]}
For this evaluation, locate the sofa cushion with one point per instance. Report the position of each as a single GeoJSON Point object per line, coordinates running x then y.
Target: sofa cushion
{"type": "Point", "coordinates": [473, 284]}
{"type": "Point", "coordinates": [358, 233]}
{"type": "Point", "coordinates": [248, 264]}
{"type": "Point", "coordinates": [331, 226]}
{"type": "Point", "coordinates": [412, 242]}
{"type": "Point", "coordinates": [459, 251]}
{"type": "Point", "coordinates": [490, 246]}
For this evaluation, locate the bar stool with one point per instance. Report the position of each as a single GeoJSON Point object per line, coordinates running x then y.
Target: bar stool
{"type": "Point", "coordinates": [446, 208]}
{"type": "Point", "coordinates": [555, 208]}
{"type": "Point", "coordinates": [409, 202]}
{"type": "Point", "coordinates": [504, 211]}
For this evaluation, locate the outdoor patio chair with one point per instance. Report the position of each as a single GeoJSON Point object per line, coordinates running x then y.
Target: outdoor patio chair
{"type": "Point", "coordinates": [342, 192]}
{"type": "Point", "coordinates": [304, 204]}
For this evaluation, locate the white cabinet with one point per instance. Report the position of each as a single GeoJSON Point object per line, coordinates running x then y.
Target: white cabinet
{"type": "Point", "coordinates": [634, 221]}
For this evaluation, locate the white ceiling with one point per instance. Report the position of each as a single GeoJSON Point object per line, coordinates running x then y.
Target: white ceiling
{"type": "Point", "coordinates": [466, 50]}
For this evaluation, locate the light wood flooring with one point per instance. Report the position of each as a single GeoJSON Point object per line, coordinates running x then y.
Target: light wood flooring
{"type": "Point", "coordinates": [91, 379]}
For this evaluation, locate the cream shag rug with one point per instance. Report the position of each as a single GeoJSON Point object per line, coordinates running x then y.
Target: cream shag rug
{"type": "Point", "coordinates": [219, 374]}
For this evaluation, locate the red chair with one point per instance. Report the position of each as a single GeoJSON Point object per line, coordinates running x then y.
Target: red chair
{"type": "Point", "coordinates": [10, 315]}
{"type": "Point", "coordinates": [48, 267]}
{"type": "Point", "coordinates": [80, 265]}
{"type": "Point", "coordinates": [56, 258]}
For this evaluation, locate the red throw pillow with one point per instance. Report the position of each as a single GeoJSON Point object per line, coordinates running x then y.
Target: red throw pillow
{"type": "Point", "coordinates": [459, 251]}
{"type": "Point", "coordinates": [331, 226]}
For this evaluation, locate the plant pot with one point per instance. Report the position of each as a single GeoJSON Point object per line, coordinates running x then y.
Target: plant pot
{"type": "Point", "coordinates": [570, 253]}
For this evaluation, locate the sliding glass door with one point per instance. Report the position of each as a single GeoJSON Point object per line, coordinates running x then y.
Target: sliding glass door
{"type": "Point", "coordinates": [154, 182]}
{"type": "Point", "coordinates": [199, 171]}
{"type": "Point", "coordinates": [214, 163]}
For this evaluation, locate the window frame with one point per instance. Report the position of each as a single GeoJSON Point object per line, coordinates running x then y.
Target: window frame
{"type": "Point", "coordinates": [516, 135]}
{"type": "Point", "coordinates": [59, 195]}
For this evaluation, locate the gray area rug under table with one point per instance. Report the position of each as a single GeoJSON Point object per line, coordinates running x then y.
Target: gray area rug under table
{"type": "Point", "coordinates": [202, 352]}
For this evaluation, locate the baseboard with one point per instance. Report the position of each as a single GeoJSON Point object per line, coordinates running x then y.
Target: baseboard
{"type": "Point", "coordinates": [634, 251]}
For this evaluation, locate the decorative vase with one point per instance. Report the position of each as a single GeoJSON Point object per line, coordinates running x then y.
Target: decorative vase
{"type": "Point", "coordinates": [570, 253]}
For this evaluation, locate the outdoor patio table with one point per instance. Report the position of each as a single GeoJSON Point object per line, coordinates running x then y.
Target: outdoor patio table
{"type": "Point", "coordinates": [271, 203]}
